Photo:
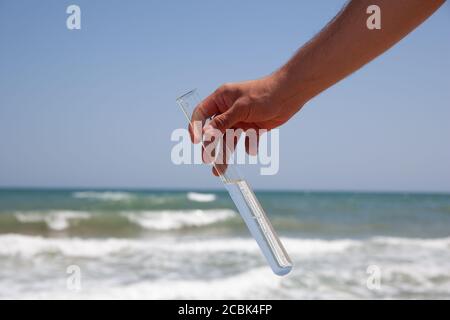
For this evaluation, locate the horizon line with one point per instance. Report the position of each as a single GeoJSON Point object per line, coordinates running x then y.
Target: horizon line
{"type": "Point", "coordinates": [129, 188]}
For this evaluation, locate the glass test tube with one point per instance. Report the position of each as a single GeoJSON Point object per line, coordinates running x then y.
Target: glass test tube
{"type": "Point", "coordinates": [247, 204]}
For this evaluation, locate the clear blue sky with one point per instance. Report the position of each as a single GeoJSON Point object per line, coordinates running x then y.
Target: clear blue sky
{"type": "Point", "coordinates": [96, 107]}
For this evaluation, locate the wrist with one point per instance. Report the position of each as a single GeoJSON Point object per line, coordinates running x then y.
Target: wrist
{"type": "Point", "coordinates": [288, 87]}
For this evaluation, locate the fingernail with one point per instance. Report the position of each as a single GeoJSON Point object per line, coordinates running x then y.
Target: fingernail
{"type": "Point", "coordinates": [208, 128]}
{"type": "Point", "coordinates": [208, 132]}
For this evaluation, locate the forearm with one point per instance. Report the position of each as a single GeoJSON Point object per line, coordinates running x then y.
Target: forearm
{"type": "Point", "coordinates": [346, 44]}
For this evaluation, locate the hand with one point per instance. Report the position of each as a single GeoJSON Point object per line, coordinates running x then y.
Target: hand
{"type": "Point", "coordinates": [256, 104]}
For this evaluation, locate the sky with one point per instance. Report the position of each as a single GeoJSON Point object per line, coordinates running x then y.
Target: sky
{"type": "Point", "coordinates": [96, 107]}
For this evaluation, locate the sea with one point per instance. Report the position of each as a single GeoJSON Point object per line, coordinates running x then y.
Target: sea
{"type": "Point", "coordinates": [191, 244]}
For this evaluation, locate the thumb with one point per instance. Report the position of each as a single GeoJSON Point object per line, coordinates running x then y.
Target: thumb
{"type": "Point", "coordinates": [227, 119]}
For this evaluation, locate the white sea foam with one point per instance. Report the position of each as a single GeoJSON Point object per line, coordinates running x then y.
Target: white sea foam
{"type": "Point", "coordinates": [104, 196]}
{"type": "Point", "coordinates": [438, 243]}
{"type": "Point", "coordinates": [293, 246]}
{"type": "Point", "coordinates": [253, 284]}
{"type": "Point", "coordinates": [27, 246]}
{"type": "Point", "coordinates": [55, 220]}
{"type": "Point", "coordinates": [412, 279]}
{"type": "Point", "coordinates": [201, 197]}
{"type": "Point", "coordinates": [173, 219]}
{"type": "Point", "coordinates": [410, 267]}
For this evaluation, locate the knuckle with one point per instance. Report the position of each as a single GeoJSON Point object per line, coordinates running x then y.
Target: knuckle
{"type": "Point", "coordinates": [243, 108]}
{"type": "Point", "coordinates": [221, 122]}
{"type": "Point", "coordinates": [227, 88]}
{"type": "Point", "coordinates": [240, 105]}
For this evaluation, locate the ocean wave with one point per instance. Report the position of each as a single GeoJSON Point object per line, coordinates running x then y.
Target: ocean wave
{"type": "Point", "coordinates": [29, 246]}
{"type": "Point", "coordinates": [24, 245]}
{"type": "Point", "coordinates": [112, 222]}
{"type": "Point", "coordinates": [255, 283]}
{"type": "Point", "coordinates": [156, 268]}
{"type": "Point", "coordinates": [201, 197]}
{"type": "Point", "coordinates": [437, 243]}
{"type": "Point", "coordinates": [55, 220]}
{"type": "Point", "coordinates": [173, 219]}
{"type": "Point", "coordinates": [104, 196]}
{"type": "Point", "coordinates": [310, 247]}
{"type": "Point", "coordinates": [248, 245]}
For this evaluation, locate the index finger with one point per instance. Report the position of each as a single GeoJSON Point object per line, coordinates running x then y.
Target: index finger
{"type": "Point", "coordinates": [204, 110]}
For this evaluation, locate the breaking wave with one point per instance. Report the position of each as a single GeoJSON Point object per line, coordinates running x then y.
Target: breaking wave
{"type": "Point", "coordinates": [223, 268]}
{"type": "Point", "coordinates": [27, 246]}
{"type": "Point", "coordinates": [159, 220]}
{"type": "Point", "coordinates": [172, 219]}
{"type": "Point", "coordinates": [201, 197]}
{"type": "Point", "coordinates": [104, 196]}
{"type": "Point", "coordinates": [55, 220]}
